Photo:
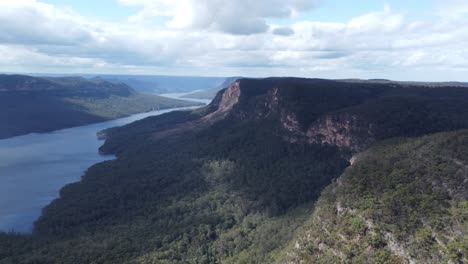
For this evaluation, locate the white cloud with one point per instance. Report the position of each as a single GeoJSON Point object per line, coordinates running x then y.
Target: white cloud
{"type": "Point", "coordinates": [240, 17]}
{"type": "Point", "coordinates": [23, 57]}
{"type": "Point", "coordinates": [385, 21]}
{"type": "Point", "coordinates": [29, 21]}
{"type": "Point", "coordinates": [198, 40]}
{"type": "Point", "coordinates": [452, 9]}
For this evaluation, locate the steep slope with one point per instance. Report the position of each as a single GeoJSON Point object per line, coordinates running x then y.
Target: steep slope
{"type": "Point", "coordinates": [346, 114]}
{"type": "Point", "coordinates": [31, 104]}
{"type": "Point", "coordinates": [402, 201]}
{"type": "Point", "coordinates": [233, 182]}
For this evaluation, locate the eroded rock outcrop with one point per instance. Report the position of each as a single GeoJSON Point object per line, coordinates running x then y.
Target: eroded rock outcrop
{"type": "Point", "coordinates": [223, 106]}
{"type": "Point", "coordinates": [342, 130]}
{"type": "Point", "coordinates": [230, 97]}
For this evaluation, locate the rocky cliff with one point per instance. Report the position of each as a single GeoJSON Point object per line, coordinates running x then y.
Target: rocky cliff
{"type": "Point", "coordinates": [342, 130]}
{"type": "Point", "coordinates": [361, 114]}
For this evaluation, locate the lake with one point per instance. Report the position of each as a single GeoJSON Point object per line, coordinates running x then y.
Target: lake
{"type": "Point", "coordinates": [34, 167]}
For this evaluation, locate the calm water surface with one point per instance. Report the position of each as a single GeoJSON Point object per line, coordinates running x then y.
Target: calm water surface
{"type": "Point", "coordinates": [34, 167]}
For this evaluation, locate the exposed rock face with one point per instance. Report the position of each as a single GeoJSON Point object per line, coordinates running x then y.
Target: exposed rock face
{"type": "Point", "coordinates": [229, 98]}
{"type": "Point", "coordinates": [299, 107]}
{"type": "Point", "coordinates": [342, 130]}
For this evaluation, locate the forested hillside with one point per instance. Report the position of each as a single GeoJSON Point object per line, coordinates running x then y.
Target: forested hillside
{"type": "Point", "coordinates": [403, 200]}
{"type": "Point", "coordinates": [32, 104]}
{"type": "Point", "coordinates": [238, 181]}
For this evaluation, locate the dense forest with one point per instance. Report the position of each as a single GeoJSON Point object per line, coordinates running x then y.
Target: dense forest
{"type": "Point", "coordinates": [43, 104]}
{"type": "Point", "coordinates": [402, 200]}
{"type": "Point", "coordinates": [277, 170]}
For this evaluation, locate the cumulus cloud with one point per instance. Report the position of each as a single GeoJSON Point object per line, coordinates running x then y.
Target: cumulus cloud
{"type": "Point", "coordinates": [451, 9]}
{"type": "Point", "coordinates": [18, 57]}
{"type": "Point", "coordinates": [197, 39]}
{"type": "Point", "coordinates": [242, 17]}
{"type": "Point", "coordinates": [385, 21]}
{"type": "Point", "coordinates": [32, 22]}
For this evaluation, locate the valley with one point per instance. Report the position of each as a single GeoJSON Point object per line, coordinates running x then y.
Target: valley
{"type": "Point", "coordinates": [44, 104]}
{"type": "Point", "coordinates": [233, 132]}
{"type": "Point", "coordinates": [263, 175]}
{"type": "Point", "coordinates": [35, 167]}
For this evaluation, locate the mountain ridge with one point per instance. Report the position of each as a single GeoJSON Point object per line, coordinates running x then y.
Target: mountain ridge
{"type": "Point", "coordinates": [347, 117]}
{"type": "Point", "coordinates": [254, 176]}
{"type": "Point", "coordinates": [43, 104]}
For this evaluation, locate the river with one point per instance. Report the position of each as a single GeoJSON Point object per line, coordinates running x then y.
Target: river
{"type": "Point", "coordinates": [34, 167]}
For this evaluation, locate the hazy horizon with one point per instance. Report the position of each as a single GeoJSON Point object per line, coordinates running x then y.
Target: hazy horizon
{"type": "Point", "coordinates": [91, 75]}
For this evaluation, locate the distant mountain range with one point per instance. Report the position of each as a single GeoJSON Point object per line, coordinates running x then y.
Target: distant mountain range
{"type": "Point", "coordinates": [211, 93]}
{"type": "Point", "coordinates": [42, 104]}
{"type": "Point", "coordinates": [408, 83]}
{"type": "Point", "coordinates": [155, 84]}
{"type": "Point", "coordinates": [165, 84]}
{"type": "Point", "coordinates": [276, 170]}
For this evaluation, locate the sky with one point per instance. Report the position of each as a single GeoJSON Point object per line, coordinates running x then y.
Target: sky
{"type": "Point", "coordinates": [421, 40]}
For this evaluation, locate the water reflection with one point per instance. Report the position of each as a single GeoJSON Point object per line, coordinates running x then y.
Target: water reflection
{"type": "Point", "coordinates": [34, 167]}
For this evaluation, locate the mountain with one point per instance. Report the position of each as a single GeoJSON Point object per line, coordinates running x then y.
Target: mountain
{"type": "Point", "coordinates": [407, 83]}
{"type": "Point", "coordinates": [276, 170]}
{"type": "Point", "coordinates": [43, 104]}
{"type": "Point", "coordinates": [156, 84]}
{"type": "Point", "coordinates": [211, 93]}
